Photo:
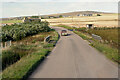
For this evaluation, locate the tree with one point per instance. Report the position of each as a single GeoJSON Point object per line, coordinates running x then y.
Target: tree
{"type": "Point", "coordinates": [60, 16]}
{"type": "Point", "coordinates": [34, 16]}
{"type": "Point", "coordinates": [98, 15]}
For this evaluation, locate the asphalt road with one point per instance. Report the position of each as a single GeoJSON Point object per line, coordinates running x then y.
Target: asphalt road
{"type": "Point", "coordinates": [74, 58]}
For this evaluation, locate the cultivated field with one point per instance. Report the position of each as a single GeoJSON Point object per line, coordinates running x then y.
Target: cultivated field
{"type": "Point", "coordinates": [106, 20]}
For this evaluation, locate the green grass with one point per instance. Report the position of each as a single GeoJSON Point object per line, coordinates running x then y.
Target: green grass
{"type": "Point", "coordinates": [110, 52]}
{"type": "Point", "coordinates": [109, 34]}
{"type": "Point", "coordinates": [65, 26]}
{"type": "Point", "coordinates": [11, 21]}
{"type": "Point", "coordinates": [82, 35]}
{"type": "Point", "coordinates": [25, 66]}
{"type": "Point", "coordinates": [48, 45]}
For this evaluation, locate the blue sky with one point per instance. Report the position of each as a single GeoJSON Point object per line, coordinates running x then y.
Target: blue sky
{"type": "Point", "coordinates": [13, 8]}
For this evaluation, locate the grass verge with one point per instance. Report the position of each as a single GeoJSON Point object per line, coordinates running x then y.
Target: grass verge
{"type": "Point", "coordinates": [82, 35]}
{"type": "Point", "coordinates": [65, 26]}
{"type": "Point", "coordinates": [25, 66]}
{"type": "Point", "coordinates": [110, 52]}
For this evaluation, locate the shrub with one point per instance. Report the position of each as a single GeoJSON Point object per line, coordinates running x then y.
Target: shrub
{"type": "Point", "coordinates": [17, 32]}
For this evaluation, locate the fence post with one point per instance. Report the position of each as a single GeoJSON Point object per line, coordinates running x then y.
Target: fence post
{"type": "Point", "coordinates": [5, 44]}
{"type": "Point", "coordinates": [1, 45]}
{"type": "Point", "coordinates": [10, 43]}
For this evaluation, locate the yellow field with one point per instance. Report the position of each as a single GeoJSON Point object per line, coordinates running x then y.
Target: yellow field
{"type": "Point", "coordinates": [106, 20]}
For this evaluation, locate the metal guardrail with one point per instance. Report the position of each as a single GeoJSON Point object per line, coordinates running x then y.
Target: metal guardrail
{"type": "Point", "coordinates": [96, 37]}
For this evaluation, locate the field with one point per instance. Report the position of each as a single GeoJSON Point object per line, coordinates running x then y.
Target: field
{"type": "Point", "coordinates": [9, 22]}
{"type": "Point", "coordinates": [105, 20]}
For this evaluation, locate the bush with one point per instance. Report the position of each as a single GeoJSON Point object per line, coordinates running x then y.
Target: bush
{"type": "Point", "coordinates": [34, 16]}
{"type": "Point", "coordinates": [17, 32]}
{"type": "Point", "coordinates": [60, 16]}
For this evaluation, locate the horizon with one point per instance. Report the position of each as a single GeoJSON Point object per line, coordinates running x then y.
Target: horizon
{"type": "Point", "coordinates": [17, 9]}
{"type": "Point", "coordinates": [57, 13]}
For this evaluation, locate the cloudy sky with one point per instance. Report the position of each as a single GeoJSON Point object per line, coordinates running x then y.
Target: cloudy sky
{"type": "Point", "coordinates": [12, 8]}
{"type": "Point", "coordinates": [59, 0]}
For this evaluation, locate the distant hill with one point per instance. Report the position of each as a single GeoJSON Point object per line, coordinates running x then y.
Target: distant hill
{"type": "Point", "coordinates": [56, 15]}
{"type": "Point", "coordinates": [76, 13]}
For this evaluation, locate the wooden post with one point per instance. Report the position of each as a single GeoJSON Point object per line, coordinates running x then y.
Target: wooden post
{"type": "Point", "coordinates": [1, 45]}
{"type": "Point", "coordinates": [10, 43]}
{"type": "Point", "coordinates": [5, 44]}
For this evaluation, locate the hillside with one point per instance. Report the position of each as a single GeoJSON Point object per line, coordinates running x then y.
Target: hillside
{"type": "Point", "coordinates": [76, 13]}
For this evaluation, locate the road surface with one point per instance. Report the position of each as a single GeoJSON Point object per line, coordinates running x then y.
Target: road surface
{"type": "Point", "coordinates": [74, 58]}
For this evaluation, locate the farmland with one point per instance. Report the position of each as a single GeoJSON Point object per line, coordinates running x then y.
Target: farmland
{"type": "Point", "coordinates": [105, 20]}
{"type": "Point", "coordinates": [11, 21]}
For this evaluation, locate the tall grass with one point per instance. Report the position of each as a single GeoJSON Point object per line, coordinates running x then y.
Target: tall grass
{"type": "Point", "coordinates": [22, 68]}
{"type": "Point", "coordinates": [82, 35]}
{"type": "Point", "coordinates": [14, 54]}
{"type": "Point", "coordinates": [109, 34]}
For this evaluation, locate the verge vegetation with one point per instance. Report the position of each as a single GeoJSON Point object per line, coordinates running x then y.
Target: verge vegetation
{"type": "Point", "coordinates": [109, 44]}
{"type": "Point", "coordinates": [26, 53]}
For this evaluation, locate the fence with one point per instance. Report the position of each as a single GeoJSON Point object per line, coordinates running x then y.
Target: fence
{"type": "Point", "coordinates": [5, 44]}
